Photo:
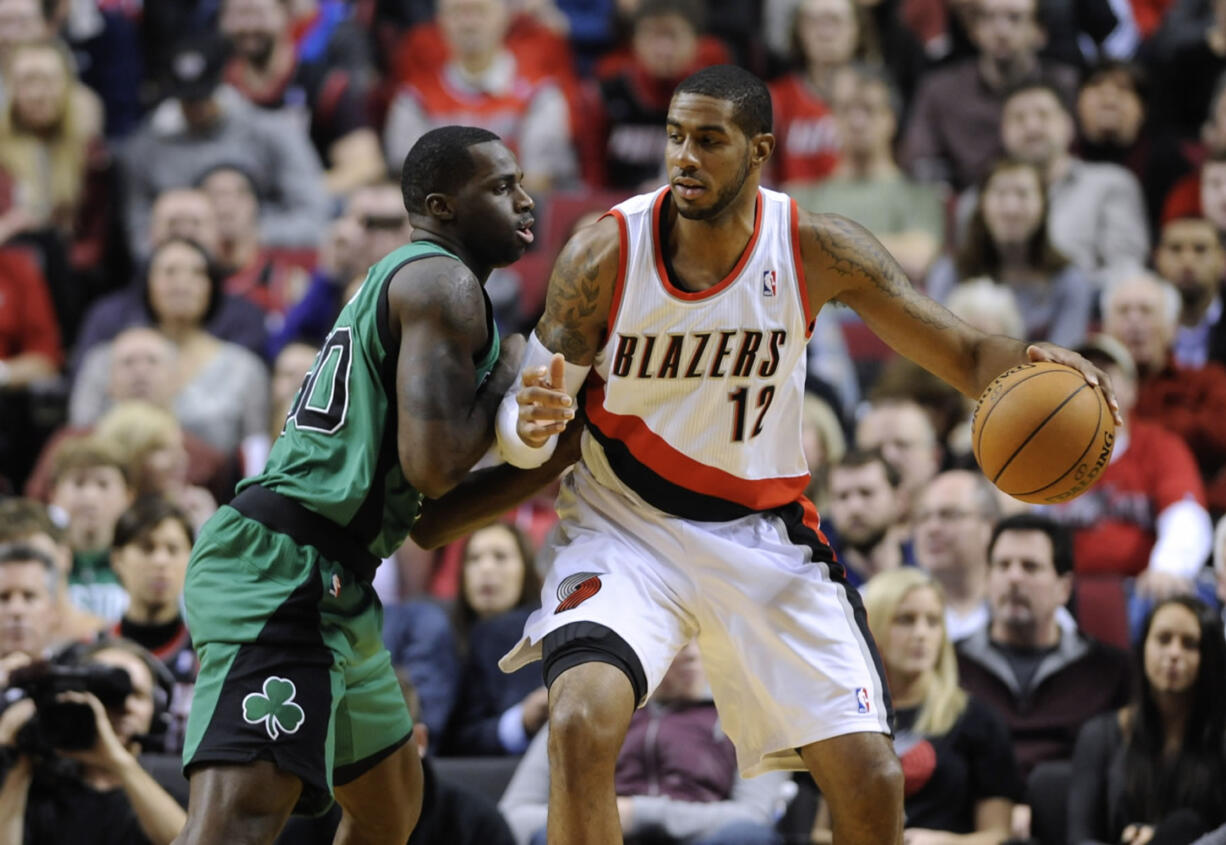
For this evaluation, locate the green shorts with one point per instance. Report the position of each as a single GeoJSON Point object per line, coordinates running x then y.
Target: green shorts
{"type": "Point", "coordinates": [292, 663]}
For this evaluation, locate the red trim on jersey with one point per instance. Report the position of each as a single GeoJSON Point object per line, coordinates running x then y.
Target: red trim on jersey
{"type": "Point", "coordinates": [813, 521]}
{"type": "Point", "coordinates": [799, 264]}
{"type": "Point", "coordinates": [662, 271]}
{"type": "Point", "coordinates": [654, 452]}
{"type": "Point", "coordinates": [623, 253]}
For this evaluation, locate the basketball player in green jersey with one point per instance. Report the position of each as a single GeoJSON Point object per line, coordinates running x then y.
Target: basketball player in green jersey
{"type": "Point", "coordinates": [296, 701]}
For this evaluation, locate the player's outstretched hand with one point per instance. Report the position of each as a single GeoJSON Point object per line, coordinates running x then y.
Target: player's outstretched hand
{"type": "Point", "coordinates": [1094, 376]}
{"type": "Point", "coordinates": [544, 405]}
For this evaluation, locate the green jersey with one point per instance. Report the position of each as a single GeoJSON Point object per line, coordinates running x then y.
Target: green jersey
{"type": "Point", "coordinates": [337, 454]}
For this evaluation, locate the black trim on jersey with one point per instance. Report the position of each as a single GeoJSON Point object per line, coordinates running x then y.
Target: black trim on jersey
{"type": "Point", "coordinates": [307, 528]}
{"type": "Point", "coordinates": [793, 517]}
{"type": "Point", "coordinates": [661, 493]}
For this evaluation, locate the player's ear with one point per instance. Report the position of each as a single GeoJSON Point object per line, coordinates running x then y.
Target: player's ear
{"type": "Point", "coordinates": [439, 205]}
{"type": "Point", "coordinates": [761, 146]}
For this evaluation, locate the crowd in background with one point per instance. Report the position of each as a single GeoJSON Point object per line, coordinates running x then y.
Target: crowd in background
{"type": "Point", "coordinates": [190, 191]}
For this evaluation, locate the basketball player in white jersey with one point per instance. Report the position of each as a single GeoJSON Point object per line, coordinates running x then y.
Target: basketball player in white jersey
{"type": "Point", "coordinates": [683, 316]}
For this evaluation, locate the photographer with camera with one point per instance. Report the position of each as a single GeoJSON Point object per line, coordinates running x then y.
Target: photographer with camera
{"type": "Point", "coordinates": [69, 751]}
{"type": "Point", "coordinates": [29, 586]}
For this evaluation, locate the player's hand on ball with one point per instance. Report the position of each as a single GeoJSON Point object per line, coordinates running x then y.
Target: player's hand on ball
{"type": "Point", "coordinates": [544, 405]}
{"type": "Point", "coordinates": [1094, 376]}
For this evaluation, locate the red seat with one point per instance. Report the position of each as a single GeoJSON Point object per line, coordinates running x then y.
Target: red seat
{"type": "Point", "coordinates": [1102, 608]}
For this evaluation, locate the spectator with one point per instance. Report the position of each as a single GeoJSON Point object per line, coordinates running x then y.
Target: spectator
{"type": "Point", "coordinates": [54, 165]}
{"type": "Point", "coordinates": [182, 213]}
{"type": "Point", "coordinates": [289, 370]}
{"type": "Point", "coordinates": [141, 367]}
{"type": "Point", "coordinates": [1183, 197]}
{"type": "Point", "coordinates": [676, 780]}
{"type": "Point", "coordinates": [375, 223]}
{"type": "Point", "coordinates": [499, 588]}
{"type": "Point", "coordinates": [1142, 312]}
{"type": "Point", "coordinates": [324, 81]}
{"type": "Point", "coordinates": [485, 84]}
{"type": "Point", "coordinates": [904, 433]}
{"type": "Point", "coordinates": [1213, 191]}
{"type": "Point", "coordinates": [824, 443]}
{"type": "Point", "coordinates": [826, 38]}
{"type": "Point", "coordinates": [150, 441]}
{"type": "Point", "coordinates": [29, 334]}
{"type": "Point", "coordinates": [1156, 769]}
{"type": "Point", "coordinates": [1009, 241]}
{"type": "Point", "coordinates": [418, 635]}
{"type": "Point", "coordinates": [1112, 111]}
{"type": "Point", "coordinates": [1045, 679]}
{"type": "Point", "coordinates": [664, 50]}
{"type": "Point", "coordinates": [867, 184]}
{"type": "Point", "coordinates": [153, 540]}
{"type": "Point", "coordinates": [1189, 63]}
{"type": "Point", "coordinates": [962, 779]}
{"type": "Point", "coordinates": [107, 797]}
{"type": "Point", "coordinates": [255, 272]}
{"type": "Point", "coordinates": [1145, 517]}
{"type": "Point", "coordinates": [952, 522]}
{"type": "Point", "coordinates": [28, 607]}
{"type": "Point", "coordinates": [89, 486]}
{"type": "Point", "coordinates": [954, 129]}
{"type": "Point", "coordinates": [1097, 213]}
{"type": "Point", "coordinates": [204, 124]}
{"type": "Point", "coordinates": [221, 393]}
{"type": "Point", "coordinates": [27, 522]}
{"type": "Point", "coordinates": [865, 513]}
{"type": "Point", "coordinates": [1190, 256]}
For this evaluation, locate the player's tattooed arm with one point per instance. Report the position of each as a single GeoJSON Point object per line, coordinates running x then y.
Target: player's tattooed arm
{"type": "Point", "coordinates": [843, 262]}
{"type": "Point", "coordinates": [445, 417]}
{"type": "Point", "coordinates": [580, 293]}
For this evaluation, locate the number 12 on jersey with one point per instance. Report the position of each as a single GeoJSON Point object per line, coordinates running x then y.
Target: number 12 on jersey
{"type": "Point", "coordinates": [740, 403]}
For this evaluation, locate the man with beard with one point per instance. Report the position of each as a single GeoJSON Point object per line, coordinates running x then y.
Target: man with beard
{"type": "Point", "coordinates": [296, 700]}
{"type": "Point", "coordinates": [322, 78]}
{"type": "Point", "coordinates": [866, 508]}
{"type": "Point", "coordinates": [1044, 679]}
{"type": "Point", "coordinates": [1191, 257]}
{"type": "Point", "coordinates": [686, 313]}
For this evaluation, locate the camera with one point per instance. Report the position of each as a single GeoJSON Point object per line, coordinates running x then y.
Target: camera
{"type": "Point", "coordinates": [66, 725]}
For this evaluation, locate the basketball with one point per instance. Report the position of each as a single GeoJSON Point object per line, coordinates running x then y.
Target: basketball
{"type": "Point", "coordinates": [1042, 434]}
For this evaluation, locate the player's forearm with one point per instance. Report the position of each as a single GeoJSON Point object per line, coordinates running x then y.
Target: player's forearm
{"type": "Point", "coordinates": [991, 355]}
{"type": "Point", "coordinates": [159, 815]}
{"type": "Point", "coordinates": [480, 497]}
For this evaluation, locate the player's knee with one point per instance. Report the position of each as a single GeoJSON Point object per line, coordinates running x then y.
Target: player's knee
{"type": "Point", "coordinates": [583, 727]}
{"type": "Point", "coordinates": [878, 780]}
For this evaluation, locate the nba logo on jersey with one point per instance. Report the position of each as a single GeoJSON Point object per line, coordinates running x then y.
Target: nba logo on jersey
{"type": "Point", "coordinates": [862, 703]}
{"type": "Point", "coordinates": [768, 283]}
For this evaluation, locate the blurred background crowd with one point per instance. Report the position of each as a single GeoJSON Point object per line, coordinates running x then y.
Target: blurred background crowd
{"type": "Point", "coordinates": [191, 189]}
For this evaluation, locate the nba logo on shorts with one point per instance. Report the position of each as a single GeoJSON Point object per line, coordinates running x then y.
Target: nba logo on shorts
{"type": "Point", "coordinates": [862, 702]}
{"type": "Point", "coordinates": [768, 283]}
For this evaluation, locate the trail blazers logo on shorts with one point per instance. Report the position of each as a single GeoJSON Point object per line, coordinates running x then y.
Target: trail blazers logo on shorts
{"type": "Point", "coordinates": [275, 707]}
{"type": "Point", "coordinates": [576, 589]}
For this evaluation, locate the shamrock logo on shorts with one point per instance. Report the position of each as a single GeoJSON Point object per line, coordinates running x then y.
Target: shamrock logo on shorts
{"type": "Point", "coordinates": [275, 707]}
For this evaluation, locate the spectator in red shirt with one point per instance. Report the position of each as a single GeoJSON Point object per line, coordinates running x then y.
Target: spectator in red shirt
{"type": "Point", "coordinates": [1142, 311]}
{"type": "Point", "coordinates": [827, 37]}
{"type": "Point", "coordinates": [1146, 515]}
{"type": "Point", "coordinates": [29, 335]}
{"type": "Point", "coordinates": [1183, 199]}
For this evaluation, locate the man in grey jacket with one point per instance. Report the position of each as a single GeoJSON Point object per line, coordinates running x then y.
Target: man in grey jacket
{"type": "Point", "coordinates": [204, 124]}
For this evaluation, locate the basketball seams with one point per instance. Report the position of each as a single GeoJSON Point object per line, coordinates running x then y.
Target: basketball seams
{"type": "Point", "coordinates": [1093, 439]}
{"type": "Point", "coordinates": [1033, 432]}
{"type": "Point", "coordinates": [978, 448]}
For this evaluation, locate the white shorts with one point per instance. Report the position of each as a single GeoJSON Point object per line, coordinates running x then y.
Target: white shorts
{"type": "Point", "coordinates": [786, 649]}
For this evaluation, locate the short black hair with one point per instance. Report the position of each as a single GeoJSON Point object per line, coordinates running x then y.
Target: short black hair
{"type": "Point", "coordinates": [857, 458]}
{"type": "Point", "coordinates": [146, 514]}
{"type": "Point", "coordinates": [750, 98]}
{"type": "Point", "coordinates": [1026, 86]}
{"type": "Point", "coordinates": [439, 163]}
{"type": "Point", "coordinates": [692, 12]}
{"type": "Point", "coordinates": [1061, 539]}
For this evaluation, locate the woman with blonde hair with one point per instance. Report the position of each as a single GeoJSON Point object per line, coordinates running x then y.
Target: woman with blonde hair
{"type": "Point", "coordinates": [824, 445]}
{"type": "Point", "coordinates": [961, 775]}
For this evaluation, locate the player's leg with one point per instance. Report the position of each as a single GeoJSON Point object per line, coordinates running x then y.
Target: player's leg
{"type": "Point", "coordinates": [383, 804]}
{"type": "Point", "coordinates": [590, 705]}
{"type": "Point", "coordinates": [861, 780]}
{"type": "Point", "coordinates": [240, 804]}
{"type": "Point", "coordinates": [377, 775]}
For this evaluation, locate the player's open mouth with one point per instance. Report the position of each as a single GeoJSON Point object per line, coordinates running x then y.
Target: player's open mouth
{"type": "Point", "coordinates": [525, 232]}
{"type": "Point", "coordinates": [689, 190]}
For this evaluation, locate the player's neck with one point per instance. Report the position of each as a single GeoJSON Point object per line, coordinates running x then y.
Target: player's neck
{"type": "Point", "coordinates": [711, 247]}
{"type": "Point", "coordinates": [456, 248]}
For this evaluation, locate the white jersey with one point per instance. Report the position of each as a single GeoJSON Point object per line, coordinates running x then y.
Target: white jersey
{"type": "Point", "coordinates": [695, 398]}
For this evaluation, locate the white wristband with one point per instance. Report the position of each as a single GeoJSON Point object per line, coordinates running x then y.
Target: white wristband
{"type": "Point", "coordinates": [514, 450]}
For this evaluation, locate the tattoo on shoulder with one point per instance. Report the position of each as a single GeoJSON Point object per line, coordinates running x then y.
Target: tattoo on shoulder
{"type": "Point", "coordinates": [574, 296]}
{"type": "Point", "coordinates": [852, 252]}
